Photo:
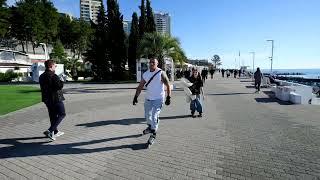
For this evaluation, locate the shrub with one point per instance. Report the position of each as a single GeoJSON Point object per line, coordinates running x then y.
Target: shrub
{"type": "Point", "coordinates": [9, 76]}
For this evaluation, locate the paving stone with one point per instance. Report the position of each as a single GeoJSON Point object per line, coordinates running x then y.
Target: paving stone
{"type": "Point", "coordinates": [241, 136]}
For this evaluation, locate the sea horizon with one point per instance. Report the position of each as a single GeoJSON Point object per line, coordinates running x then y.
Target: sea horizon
{"type": "Point", "coordinates": [306, 73]}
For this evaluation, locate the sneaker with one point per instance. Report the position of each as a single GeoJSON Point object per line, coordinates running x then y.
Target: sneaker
{"type": "Point", "coordinates": [200, 115]}
{"type": "Point", "coordinates": [52, 136]}
{"type": "Point", "coordinates": [58, 134]}
{"type": "Point", "coordinates": [46, 133]}
{"type": "Point", "coordinates": [151, 139]}
{"type": "Point", "coordinates": [147, 131]}
{"type": "Point", "coordinates": [192, 115]}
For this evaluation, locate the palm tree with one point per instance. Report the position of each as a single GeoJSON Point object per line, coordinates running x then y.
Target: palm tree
{"type": "Point", "coordinates": [179, 56]}
{"type": "Point", "coordinates": [160, 46]}
{"type": "Point", "coordinates": [216, 60]}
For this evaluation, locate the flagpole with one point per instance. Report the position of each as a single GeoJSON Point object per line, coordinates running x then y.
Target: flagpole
{"type": "Point", "coordinates": [239, 60]}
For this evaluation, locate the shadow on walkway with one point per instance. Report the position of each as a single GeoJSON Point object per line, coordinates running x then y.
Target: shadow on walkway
{"type": "Point", "coordinates": [246, 80]}
{"type": "Point", "coordinates": [271, 99]}
{"type": "Point", "coordinates": [94, 90]}
{"type": "Point", "coordinates": [29, 91]}
{"type": "Point", "coordinates": [127, 121]}
{"type": "Point", "coordinates": [227, 94]}
{"type": "Point", "coordinates": [42, 147]}
{"type": "Point", "coordinates": [250, 87]}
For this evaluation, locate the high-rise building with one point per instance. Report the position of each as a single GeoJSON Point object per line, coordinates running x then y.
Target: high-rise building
{"type": "Point", "coordinates": [163, 23]}
{"type": "Point", "coordinates": [127, 27]}
{"type": "Point", "coordinates": [89, 9]}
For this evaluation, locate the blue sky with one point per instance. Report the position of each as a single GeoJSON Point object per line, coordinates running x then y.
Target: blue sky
{"type": "Point", "coordinates": [223, 27]}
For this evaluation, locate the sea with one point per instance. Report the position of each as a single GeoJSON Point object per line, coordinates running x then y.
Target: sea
{"type": "Point", "coordinates": [305, 73]}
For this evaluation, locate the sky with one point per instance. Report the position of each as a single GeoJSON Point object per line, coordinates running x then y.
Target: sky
{"type": "Point", "coordinates": [225, 27]}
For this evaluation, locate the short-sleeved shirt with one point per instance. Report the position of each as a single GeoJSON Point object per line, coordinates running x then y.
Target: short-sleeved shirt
{"type": "Point", "coordinates": [155, 89]}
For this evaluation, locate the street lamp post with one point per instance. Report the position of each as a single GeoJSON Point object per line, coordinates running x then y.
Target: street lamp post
{"type": "Point", "coordinates": [271, 58]}
{"type": "Point", "coordinates": [253, 56]}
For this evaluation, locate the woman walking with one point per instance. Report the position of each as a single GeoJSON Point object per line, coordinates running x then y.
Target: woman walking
{"type": "Point", "coordinates": [196, 89]}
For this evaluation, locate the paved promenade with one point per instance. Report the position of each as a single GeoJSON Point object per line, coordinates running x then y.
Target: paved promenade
{"type": "Point", "coordinates": [241, 136]}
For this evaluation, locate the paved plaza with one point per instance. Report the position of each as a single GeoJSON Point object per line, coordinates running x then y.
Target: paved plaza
{"type": "Point", "coordinates": [241, 136]}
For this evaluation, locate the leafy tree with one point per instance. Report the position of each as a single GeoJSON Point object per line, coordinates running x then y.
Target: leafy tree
{"type": "Point", "coordinates": [4, 16]}
{"type": "Point", "coordinates": [65, 26]}
{"type": "Point", "coordinates": [216, 60]}
{"type": "Point", "coordinates": [84, 37]}
{"type": "Point", "coordinates": [159, 46]}
{"type": "Point", "coordinates": [18, 30]}
{"type": "Point", "coordinates": [97, 53]}
{"type": "Point", "coordinates": [81, 34]}
{"type": "Point", "coordinates": [133, 44]}
{"type": "Point", "coordinates": [142, 19]}
{"type": "Point", "coordinates": [34, 27]}
{"type": "Point", "coordinates": [50, 20]}
{"type": "Point", "coordinates": [74, 65]}
{"type": "Point", "coordinates": [150, 24]}
{"type": "Point", "coordinates": [58, 54]}
{"type": "Point", "coordinates": [117, 48]}
{"type": "Point", "coordinates": [34, 21]}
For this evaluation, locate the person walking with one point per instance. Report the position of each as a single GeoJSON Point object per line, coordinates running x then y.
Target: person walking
{"type": "Point", "coordinates": [187, 73]}
{"type": "Point", "coordinates": [51, 90]}
{"type": "Point", "coordinates": [203, 75]}
{"type": "Point", "coordinates": [235, 72]}
{"type": "Point", "coordinates": [212, 72]}
{"type": "Point", "coordinates": [228, 73]}
{"type": "Point", "coordinates": [155, 80]}
{"type": "Point", "coordinates": [196, 89]}
{"type": "Point", "coordinates": [257, 80]}
{"type": "Point", "coordinates": [206, 72]}
{"type": "Point", "coordinates": [222, 72]}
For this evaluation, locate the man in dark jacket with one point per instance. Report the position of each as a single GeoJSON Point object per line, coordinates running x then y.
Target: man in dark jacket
{"type": "Point", "coordinates": [52, 96]}
{"type": "Point", "coordinates": [257, 80]}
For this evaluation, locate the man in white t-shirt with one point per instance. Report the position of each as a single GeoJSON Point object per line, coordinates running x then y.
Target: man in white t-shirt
{"type": "Point", "coordinates": [155, 80]}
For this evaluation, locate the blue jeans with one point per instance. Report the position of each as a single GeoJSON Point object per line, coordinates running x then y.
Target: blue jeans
{"type": "Point", "coordinates": [196, 105]}
{"type": "Point", "coordinates": [56, 114]}
{"type": "Point", "coordinates": [152, 110]}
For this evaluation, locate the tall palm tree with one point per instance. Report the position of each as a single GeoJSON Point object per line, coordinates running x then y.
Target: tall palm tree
{"type": "Point", "coordinates": [159, 46]}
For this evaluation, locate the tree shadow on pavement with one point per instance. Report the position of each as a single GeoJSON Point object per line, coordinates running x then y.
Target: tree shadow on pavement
{"type": "Point", "coordinates": [128, 121]}
{"type": "Point", "coordinates": [42, 147]}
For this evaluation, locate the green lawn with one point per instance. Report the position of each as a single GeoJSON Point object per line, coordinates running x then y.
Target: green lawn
{"type": "Point", "coordinates": [13, 98]}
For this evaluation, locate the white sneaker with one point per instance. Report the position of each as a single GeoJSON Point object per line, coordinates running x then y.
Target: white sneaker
{"type": "Point", "coordinates": [59, 133]}
{"type": "Point", "coordinates": [52, 136]}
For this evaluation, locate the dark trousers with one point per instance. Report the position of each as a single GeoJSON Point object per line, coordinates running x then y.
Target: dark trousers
{"type": "Point", "coordinates": [204, 78]}
{"type": "Point", "coordinates": [56, 114]}
{"type": "Point", "coordinates": [196, 105]}
{"type": "Point", "coordinates": [257, 85]}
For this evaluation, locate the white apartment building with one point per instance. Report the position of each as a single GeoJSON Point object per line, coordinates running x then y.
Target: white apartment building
{"type": "Point", "coordinates": [163, 23]}
{"type": "Point", "coordinates": [127, 27]}
{"type": "Point", "coordinates": [89, 9]}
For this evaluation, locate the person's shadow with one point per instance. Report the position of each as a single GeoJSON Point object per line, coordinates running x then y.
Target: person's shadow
{"type": "Point", "coordinates": [128, 121]}
{"type": "Point", "coordinates": [17, 148]}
